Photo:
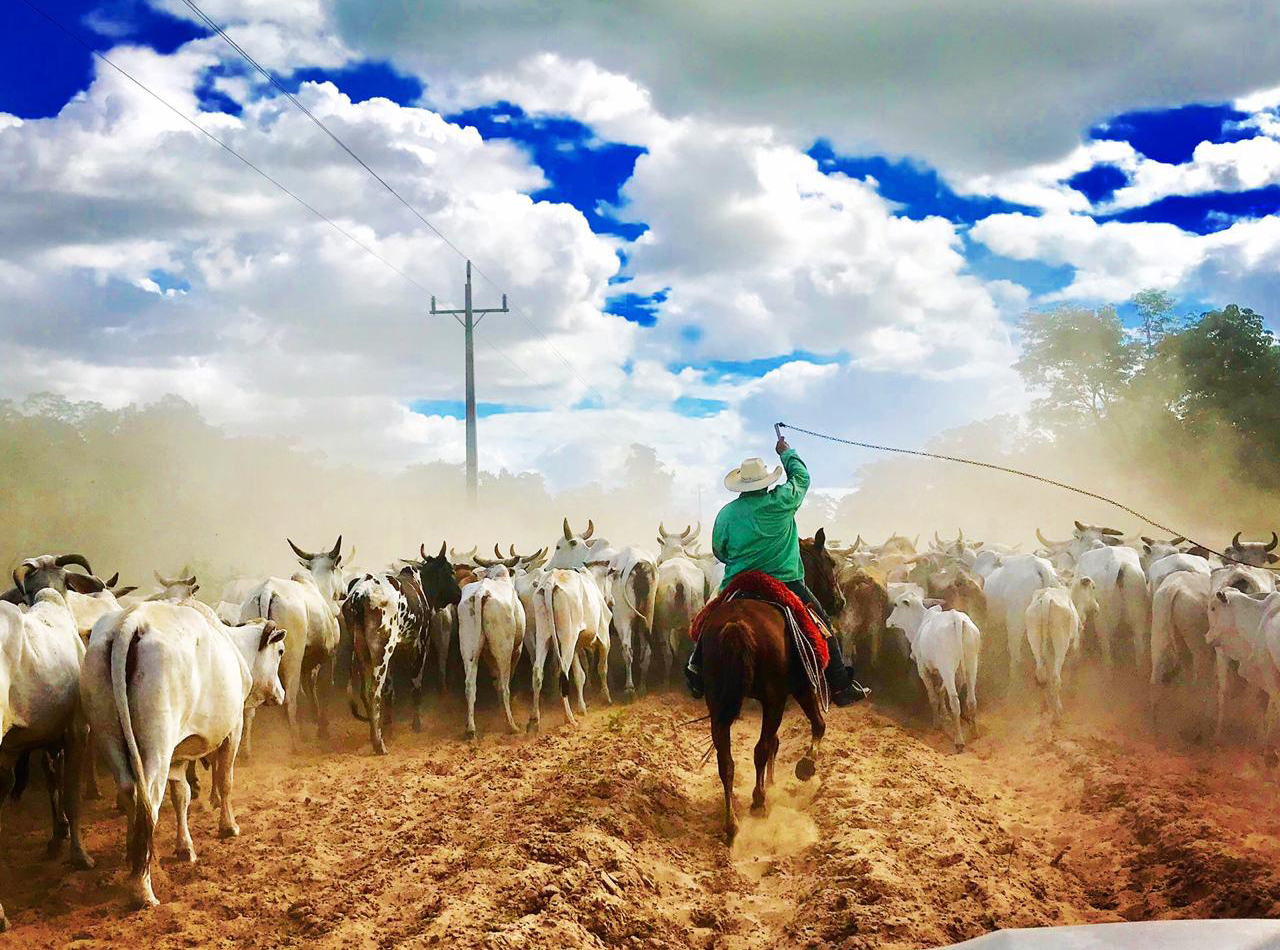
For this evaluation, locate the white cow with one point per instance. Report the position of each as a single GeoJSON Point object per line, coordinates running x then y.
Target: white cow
{"type": "Point", "coordinates": [675, 544]}
{"type": "Point", "coordinates": [1054, 620]}
{"type": "Point", "coordinates": [1170, 564]}
{"type": "Point", "coordinates": [572, 625]}
{"type": "Point", "coordinates": [1121, 589]}
{"type": "Point", "coordinates": [945, 645]}
{"type": "Point", "coordinates": [40, 656]}
{"type": "Point", "coordinates": [681, 595]}
{"type": "Point", "coordinates": [1246, 579]}
{"type": "Point", "coordinates": [1009, 589]}
{"type": "Point", "coordinates": [234, 593]}
{"type": "Point", "coordinates": [306, 607]}
{"type": "Point", "coordinates": [633, 578]}
{"type": "Point", "coordinates": [165, 684]}
{"type": "Point", "coordinates": [491, 622]}
{"type": "Point", "coordinates": [1236, 635]}
{"type": "Point", "coordinates": [88, 609]}
{"type": "Point", "coordinates": [1180, 626]}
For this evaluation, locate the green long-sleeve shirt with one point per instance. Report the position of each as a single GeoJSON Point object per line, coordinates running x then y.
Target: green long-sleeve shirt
{"type": "Point", "coordinates": [757, 530]}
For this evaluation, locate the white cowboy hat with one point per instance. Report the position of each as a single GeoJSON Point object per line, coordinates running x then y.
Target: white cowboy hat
{"type": "Point", "coordinates": [751, 475]}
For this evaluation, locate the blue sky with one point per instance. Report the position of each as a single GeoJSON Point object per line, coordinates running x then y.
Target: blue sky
{"type": "Point", "coordinates": [659, 246]}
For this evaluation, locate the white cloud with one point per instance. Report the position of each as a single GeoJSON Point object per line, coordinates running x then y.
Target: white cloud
{"type": "Point", "coordinates": [975, 86]}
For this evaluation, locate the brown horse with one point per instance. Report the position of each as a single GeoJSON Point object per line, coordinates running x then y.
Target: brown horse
{"type": "Point", "coordinates": [821, 573]}
{"type": "Point", "coordinates": [747, 653]}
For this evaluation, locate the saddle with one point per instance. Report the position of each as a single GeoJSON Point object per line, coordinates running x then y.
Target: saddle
{"type": "Point", "coordinates": [756, 585]}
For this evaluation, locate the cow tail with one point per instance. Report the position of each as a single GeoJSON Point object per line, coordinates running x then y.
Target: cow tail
{"type": "Point", "coordinates": [730, 671]}
{"type": "Point", "coordinates": [548, 594]}
{"type": "Point", "coordinates": [120, 692]}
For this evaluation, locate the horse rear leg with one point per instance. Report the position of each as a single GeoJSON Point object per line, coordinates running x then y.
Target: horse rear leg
{"type": "Point", "coordinates": [766, 749]}
{"type": "Point", "coordinates": [808, 764]}
{"type": "Point", "coordinates": [724, 759]}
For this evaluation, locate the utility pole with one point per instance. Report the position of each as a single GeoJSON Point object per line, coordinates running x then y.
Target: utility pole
{"type": "Point", "coordinates": [469, 324]}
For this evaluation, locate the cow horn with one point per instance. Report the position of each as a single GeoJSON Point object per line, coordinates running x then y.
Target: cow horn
{"type": "Point", "coordinates": [936, 539]}
{"type": "Point", "coordinates": [20, 575]}
{"type": "Point", "coordinates": [79, 559]}
{"type": "Point", "coordinates": [510, 562]}
{"type": "Point", "coordinates": [124, 591]}
{"type": "Point", "coordinates": [1114, 532]}
{"type": "Point", "coordinates": [662, 531]}
{"type": "Point", "coordinates": [591, 529]}
{"type": "Point", "coordinates": [422, 550]}
{"type": "Point", "coordinates": [305, 555]}
{"type": "Point", "coordinates": [1045, 541]}
{"type": "Point", "coordinates": [115, 579]}
{"type": "Point", "coordinates": [568, 535]}
{"type": "Point", "coordinates": [190, 581]}
{"type": "Point", "coordinates": [1235, 542]}
{"type": "Point", "coordinates": [857, 543]}
{"type": "Point", "coordinates": [485, 562]}
{"type": "Point", "coordinates": [1178, 540]}
{"type": "Point", "coordinates": [336, 553]}
{"type": "Point", "coordinates": [1275, 539]}
{"type": "Point", "coordinates": [161, 581]}
{"type": "Point", "coordinates": [960, 537]}
{"type": "Point", "coordinates": [1149, 541]}
{"type": "Point", "coordinates": [497, 552]}
{"type": "Point", "coordinates": [692, 532]}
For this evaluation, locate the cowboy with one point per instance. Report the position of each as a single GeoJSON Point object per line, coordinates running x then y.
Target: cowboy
{"type": "Point", "coordinates": [757, 532]}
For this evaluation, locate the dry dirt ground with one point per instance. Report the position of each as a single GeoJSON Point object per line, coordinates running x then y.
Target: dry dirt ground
{"type": "Point", "coordinates": [609, 835]}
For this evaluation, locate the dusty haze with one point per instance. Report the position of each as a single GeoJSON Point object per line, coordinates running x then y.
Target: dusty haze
{"type": "Point", "coordinates": [156, 488]}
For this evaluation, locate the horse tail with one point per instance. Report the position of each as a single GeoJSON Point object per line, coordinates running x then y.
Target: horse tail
{"type": "Point", "coordinates": [735, 670]}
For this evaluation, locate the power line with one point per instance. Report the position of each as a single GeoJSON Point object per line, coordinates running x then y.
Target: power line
{"type": "Point", "coordinates": [231, 151]}
{"type": "Point", "coordinates": [271, 78]}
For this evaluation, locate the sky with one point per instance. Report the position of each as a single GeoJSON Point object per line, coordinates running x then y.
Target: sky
{"type": "Point", "coordinates": [707, 217]}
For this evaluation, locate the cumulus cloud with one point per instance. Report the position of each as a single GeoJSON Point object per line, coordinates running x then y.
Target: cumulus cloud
{"type": "Point", "coordinates": [970, 87]}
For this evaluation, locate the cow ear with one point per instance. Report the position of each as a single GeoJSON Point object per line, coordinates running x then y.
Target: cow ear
{"type": "Point", "coordinates": [1272, 558]}
{"type": "Point", "coordinates": [1222, 596]}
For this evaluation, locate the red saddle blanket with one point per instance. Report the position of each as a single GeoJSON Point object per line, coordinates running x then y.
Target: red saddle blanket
{"type": "Point", "coordinates": [756, 585]}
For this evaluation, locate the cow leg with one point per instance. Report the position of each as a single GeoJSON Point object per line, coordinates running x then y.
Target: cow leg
{"type": "Point", "coordinates": [506, 663]}
{"type": "Point", "coordinates": [720, 737]}
{"type": "Point", "coordinates": [54, 766]}
{"type": "Point", "coordinates": [246, 744]}
{"type": "Point", "coordinates": [952, 696]}
{"type": "Point", "coordinates": [765, 747]}
{"type": "Point", "coordinates": [329, 669]}
{"type": "Point", "coordinates": [579, 683]}
{"type": "Point", "coordinates": [180, 796]}
{"type": "Point", "coordinates": [441, 633]}
{"type": "Point", "coordinates": [1201, 675]}
{"type": "Point", "coordinates": [808, 701]}
{"type": "Point", "coordinates": [471, 668]}
{"type": "Point", "coordinates": [292, 681]}
{"type": "Point", "coordinates": [602, 668]}
{"type": "Point", "coordinates": [91, 790]}
{"type": "Point", "coordinates": [77, 761]}
{"type": "Point", "coordinates": [373, 703]}
{"type": "Point", "coordinates": [224, 761]}
{"type": "Point", "coordinates": [539, 664]}
{"type": "Point", "coordinates": [1223, 668]}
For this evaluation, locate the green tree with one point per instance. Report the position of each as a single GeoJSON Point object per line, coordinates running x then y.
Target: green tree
{"type": "Point", "coordinates": [1155, 308]}
{"type": "Point", "coordinates": [1228, 367]}
{"type": "Point", "coordinates": [1081, 359]}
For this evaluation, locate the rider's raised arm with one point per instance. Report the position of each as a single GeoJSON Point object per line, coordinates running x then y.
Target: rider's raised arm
{"type": "Point", "coordinates": [791, 494]}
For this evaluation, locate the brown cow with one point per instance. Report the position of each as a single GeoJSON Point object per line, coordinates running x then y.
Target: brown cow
{"type": "Point", "coordinates": [866, 606]}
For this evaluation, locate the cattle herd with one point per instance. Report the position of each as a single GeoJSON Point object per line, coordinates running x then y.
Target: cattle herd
{"type": "Point", "coordinates": [92, 674]}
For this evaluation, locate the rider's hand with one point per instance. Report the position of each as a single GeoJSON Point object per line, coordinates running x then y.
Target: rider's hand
{"type": "Point", "coordinates": [781, 447]}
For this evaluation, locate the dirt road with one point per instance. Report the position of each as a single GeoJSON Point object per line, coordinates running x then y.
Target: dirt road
{"type": "Point", "coordinates": [610, 836]}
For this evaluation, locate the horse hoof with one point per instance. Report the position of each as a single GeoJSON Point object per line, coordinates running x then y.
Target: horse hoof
{"type": "Point", "coordinates": [380, 749]}
{"type": "Point", "coordinates": [53, 848]}
{"type": "Point", "coordinates": [469, 734]}
{"type": "Point", "coordinates": [229, 831]}
{"type": "Point", "coordinates": [805, 769]}
{"type": "Point", "coordinates": [185, 855]}
{"type": "Point", "coordinates": [757, 809]}
{"type": "Point", "coordinates": [729, 834]}
{"type": "Point", "coordinates": [959, 746]}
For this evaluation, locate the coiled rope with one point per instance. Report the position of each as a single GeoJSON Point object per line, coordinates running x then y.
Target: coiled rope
{"type": "Point", "coordinates": [1015, 471]}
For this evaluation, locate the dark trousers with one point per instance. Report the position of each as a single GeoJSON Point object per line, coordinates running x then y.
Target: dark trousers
{"type": "Point", "coordinates": [837, 674]}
